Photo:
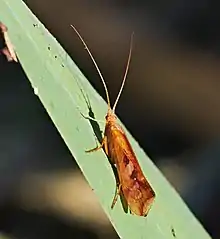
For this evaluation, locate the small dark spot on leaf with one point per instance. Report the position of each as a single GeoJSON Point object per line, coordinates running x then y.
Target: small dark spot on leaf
{"type": "Point", "coordinates": [35, 25]}
{"type": "Point", "coordinates": [173, 232]}
{"type": "Point", "coordinates": [55, 57]}
{"type": "Point", "coordinates": [62, 65]}
{"type": "Point", "coordinates": [48, 48]}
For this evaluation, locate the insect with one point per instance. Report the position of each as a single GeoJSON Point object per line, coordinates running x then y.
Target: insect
{"type": "Point", "coordinates": [8, 50]}
{"type": "Point", "coordinates": [133, 185]}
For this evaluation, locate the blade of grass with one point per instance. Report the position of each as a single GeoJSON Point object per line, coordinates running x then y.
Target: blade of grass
{"type": "Point", "coordinates": [62, 89]}
{"type": "Point", "coordinates": [3, 236]}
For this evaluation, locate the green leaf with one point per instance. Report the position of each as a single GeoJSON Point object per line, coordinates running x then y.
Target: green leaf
{"type": "Point", "coordinates": [2, 236]}
{"type": "Point", "coordinates": [62, 89]}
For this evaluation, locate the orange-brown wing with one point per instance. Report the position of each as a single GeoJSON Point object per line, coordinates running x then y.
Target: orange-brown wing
{"type": "Point", "coordinates": [136, 189]}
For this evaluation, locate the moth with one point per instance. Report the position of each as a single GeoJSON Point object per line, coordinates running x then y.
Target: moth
{"type": "Point", "coordinates": [8, 50]}
{"type": "Point", "coordinates": [133, 185]}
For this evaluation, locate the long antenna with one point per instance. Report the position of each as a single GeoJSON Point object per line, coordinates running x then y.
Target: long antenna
{"type": "Point", "coordinates": [126, 73]}
{"type": "Point", "coordinates": [94, 62]}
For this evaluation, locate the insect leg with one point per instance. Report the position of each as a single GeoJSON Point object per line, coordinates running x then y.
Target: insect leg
{"type": "Point", "coordinates": [105, 145]}
{"type": "Point", "coordinates": [91, 118]}
{"type": "Point", "coordinates": [98, 147]}
{"type": "Point", "coordinates": [117, 193]}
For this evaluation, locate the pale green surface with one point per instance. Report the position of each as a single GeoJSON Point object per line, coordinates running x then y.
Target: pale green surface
{"type": "Point", "coordinates": [60, 90]}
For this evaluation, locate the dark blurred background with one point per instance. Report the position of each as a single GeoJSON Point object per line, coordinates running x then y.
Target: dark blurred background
{"type": "Point", "coordinates": [170, 105]}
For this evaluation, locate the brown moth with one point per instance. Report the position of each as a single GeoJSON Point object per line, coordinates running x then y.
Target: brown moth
{"type": "Point", "coordinates": [133, 185]}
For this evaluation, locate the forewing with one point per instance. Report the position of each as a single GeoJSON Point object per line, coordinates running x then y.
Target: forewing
{"type": "Point", "coordinates": [135, 187]}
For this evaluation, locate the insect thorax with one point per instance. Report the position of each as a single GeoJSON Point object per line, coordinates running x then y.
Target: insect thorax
{"type": "Point", "coordinates": [110, 117]}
